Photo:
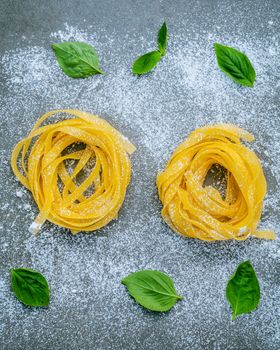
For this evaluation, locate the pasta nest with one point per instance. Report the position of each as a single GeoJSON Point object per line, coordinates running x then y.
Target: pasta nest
{"type": "Point", "coordinates": [198, 211]}
{"type": "Point", "coordinates": [40, 160]}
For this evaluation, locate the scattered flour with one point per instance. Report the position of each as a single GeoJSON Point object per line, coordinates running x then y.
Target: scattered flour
{"type": "Point", "coordinates": [19, 193]}
{"type": "Point", "coordinates": [156, 112]}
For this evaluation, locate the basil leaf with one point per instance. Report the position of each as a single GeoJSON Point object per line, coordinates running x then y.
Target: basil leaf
{"type": "Point", "coordinates": [77, 59]}
{"type": "Point", "coordinates": [30, 287]}
{"type": "Point", "coordinates": [152, 289]}
{"type": "Point", "coordinates": [162, 39]}
{"type": "Point", "coordinates": [243, 290]}
{"type": "Point", "coordinates": [146, 63]}
{"type": "Point", "coordinates": [235, 64]}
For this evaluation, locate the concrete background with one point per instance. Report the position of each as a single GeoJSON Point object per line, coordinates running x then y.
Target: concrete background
{"type": "Point", "coordinates": [89, 307]}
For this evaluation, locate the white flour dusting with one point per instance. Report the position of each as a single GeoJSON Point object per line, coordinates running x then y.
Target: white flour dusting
{"type": "Point", "coordinates": [156, 112]}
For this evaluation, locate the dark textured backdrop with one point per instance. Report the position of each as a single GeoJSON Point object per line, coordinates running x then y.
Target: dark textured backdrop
{"type": "Point", "coordinates": [89, 307]}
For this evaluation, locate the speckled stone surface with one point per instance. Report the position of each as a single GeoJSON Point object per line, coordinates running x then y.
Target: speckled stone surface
{"type": "Point", "coordinates": [89, 308]}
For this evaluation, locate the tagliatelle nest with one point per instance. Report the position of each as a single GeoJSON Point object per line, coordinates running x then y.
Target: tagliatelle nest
{"type": "Point", "coordinates": [43, 167]}
{"type": "Point", "coordinates": [199, 211]}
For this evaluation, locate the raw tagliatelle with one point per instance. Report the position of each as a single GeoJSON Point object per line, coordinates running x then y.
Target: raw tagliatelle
{"type": "Point", "coordinates": [40, 161]}
{"type": "Point", "coordinates": [198, 211]}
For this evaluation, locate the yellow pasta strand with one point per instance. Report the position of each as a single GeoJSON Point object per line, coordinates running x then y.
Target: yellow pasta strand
{"type": "Point", "coordinates": [43, 156]}
{"type": "Point", "coordinates": [199, 211]}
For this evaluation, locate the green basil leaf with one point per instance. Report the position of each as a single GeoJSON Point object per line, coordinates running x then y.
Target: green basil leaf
{"type": "Point", "coordinates": [146, 63]}
{"type": "Point", "coordinates": [152, 289]}
{"type": "Point", "coordinates": [77, 59]}
{"type": "Point", "coordinates": [235, 64]}
{"type": "Point", "coordinates": [243, 290]}
{"type": "Point", "coordinates": [162, 39]}
{"type": "Point", "coordinates": [30, 287]}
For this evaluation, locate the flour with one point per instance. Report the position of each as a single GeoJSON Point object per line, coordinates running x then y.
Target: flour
{"type": "Point", "coordinates": [156, 112]}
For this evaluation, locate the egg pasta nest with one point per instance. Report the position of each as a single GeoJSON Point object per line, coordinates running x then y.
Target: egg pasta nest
{"type": "Point", "coordinates": [61, 199]}
{"type": "Point", "coordinates": [198, 211]}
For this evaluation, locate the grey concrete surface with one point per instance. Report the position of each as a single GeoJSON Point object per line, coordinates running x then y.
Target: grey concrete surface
{"type": "Point", "coordinates": [89, 307]}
